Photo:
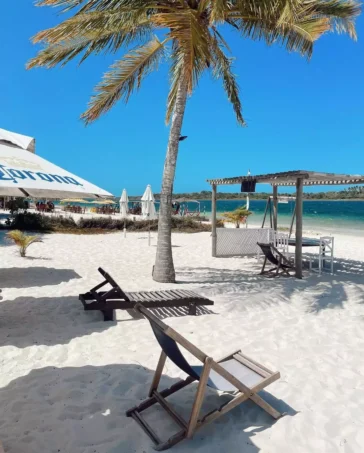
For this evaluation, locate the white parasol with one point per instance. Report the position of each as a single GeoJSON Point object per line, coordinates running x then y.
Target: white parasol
{"type": "Point", "coordinates": [24, 174]}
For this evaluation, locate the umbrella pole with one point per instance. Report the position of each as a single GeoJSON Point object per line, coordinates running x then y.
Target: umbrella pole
{"type": "Point", "coordinates": [124, 227]}
{"type": "Point", "coordinates": [149, 231]}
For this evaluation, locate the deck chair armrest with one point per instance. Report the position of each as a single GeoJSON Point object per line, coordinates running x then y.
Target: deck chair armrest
{"type": "Point", "coordinates": [112, 282]}
{"type": "Point", "coordinates": [108, 278]}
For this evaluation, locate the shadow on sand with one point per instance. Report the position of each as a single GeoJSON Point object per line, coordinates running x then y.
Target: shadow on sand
{"type": "Point", "coordinates": [27, 277]}
{"type": "Point", "coordinates": [327, 291]}
{"type": "Point", "coordinates": [83, 409]}
{"type": "Point", "coordinates": [49, 321]}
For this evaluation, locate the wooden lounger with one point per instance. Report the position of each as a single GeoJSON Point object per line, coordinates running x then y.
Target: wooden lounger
{"type": "Point", "coordinates": [117, 299]}
{"type": "Point", "coordinates": [234, 373]}
{"type": "Point", "coordinates": [281, 264]}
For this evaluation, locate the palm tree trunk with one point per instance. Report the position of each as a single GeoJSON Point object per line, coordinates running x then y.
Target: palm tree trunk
{"type": "Point", "coordinates": [164, 269]}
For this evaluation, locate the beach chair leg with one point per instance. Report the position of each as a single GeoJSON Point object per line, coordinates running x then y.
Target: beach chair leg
{"type": "Point", "coordinates": [192, 309]}
{"type": "Point", "coordinates": [108, 315]}
{"type": "Point", "coordinates": [264, 263]}
{"type": "Point", "coordinates": [267, 407]}
{"type": "Point", "coordinates": [171, 441]}
{"type": "Point", "coordinates": [158, 373]}
{"type": "Point", "coordinates": [278, 267]}
{"type": "Point", "coordinates": [199, 397]}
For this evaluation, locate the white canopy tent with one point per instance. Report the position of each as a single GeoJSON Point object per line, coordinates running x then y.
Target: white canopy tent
{"type": "Point", "coordinates": [124, 204]}
{"type": "Point", "coordinates": [148, 207]}
{"type": "Point", "coordinates": [24, 174]}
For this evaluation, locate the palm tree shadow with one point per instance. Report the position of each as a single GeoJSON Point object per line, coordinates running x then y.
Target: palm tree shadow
{"type": "Point", "coordinates": [43, 411]}
{"type": "Point", "coordinates": [326, 291]}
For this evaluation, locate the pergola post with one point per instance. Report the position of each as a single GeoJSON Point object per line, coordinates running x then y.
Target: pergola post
{"type": "Point", "coordinates": [213, 219]}
{"type": "Point", "coordinates": [299, 214]}
{"type": "Point", "coordinates": [275, 207]}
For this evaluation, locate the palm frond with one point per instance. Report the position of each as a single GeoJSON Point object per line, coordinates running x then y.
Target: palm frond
{"type": "Point", "coordinates": [103, 5]}
{"type": "Point", "coordinates": [191, 36]}
{"type": "Point", "coordinates": [61, 53]}
{"type": "Point", "coordinates": [218, 11]}
{"type": "Point", "coordinates": [124, 76]}
{"type": "Point", "coordinates": [299, 36]}
{"type": "Point", "coordinates": [221, 40]}
{"type": "Point", "coordinates": [292, 23]}
{"type": "Point", "coordinates": [90, 33]}
{"type": "Point", "coordinates": [95, 24]}
{"type": "Point", "coordinates": [222, 66]}
{"type": "Point", "coordinates": [341, 13]}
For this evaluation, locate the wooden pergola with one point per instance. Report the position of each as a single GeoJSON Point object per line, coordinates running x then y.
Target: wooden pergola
{"type": "Point", "coordinates": [297, 178]}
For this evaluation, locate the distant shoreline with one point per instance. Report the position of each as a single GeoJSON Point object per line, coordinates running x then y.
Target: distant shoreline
{"type": "Point", "coordinates": [263, 199]}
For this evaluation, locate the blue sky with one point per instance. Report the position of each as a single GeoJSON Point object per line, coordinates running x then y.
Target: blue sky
{"type": "Point", "coordinates": [301, 115]}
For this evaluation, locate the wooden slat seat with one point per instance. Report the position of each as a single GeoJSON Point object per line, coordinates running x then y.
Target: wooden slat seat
{"type": "Point", "coordinates": [117, 299]}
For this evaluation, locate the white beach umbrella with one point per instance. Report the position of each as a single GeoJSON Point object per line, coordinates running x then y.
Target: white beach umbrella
{"type": "Point", "coordinates": [148, 208]}
{"type": "Point", "coordinates": [24, 174]}
{"type": "Point", "coordinates": [124, 207]}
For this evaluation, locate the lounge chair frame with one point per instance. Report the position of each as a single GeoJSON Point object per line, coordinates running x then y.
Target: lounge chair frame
{"type": "Point", "coordinates": [280, 262]}
{"type": "Point", "coordinates": [188, 428]}
{"type": "Point", "coordinates": [116, 298]}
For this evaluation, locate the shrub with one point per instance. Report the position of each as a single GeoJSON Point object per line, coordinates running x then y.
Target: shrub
{"type": "Point", "coordinates": [16, 205]}
{"type": "Point", "coordinates": [60, 223]}
{"type": "Point", "coordinates": [47, 224]}
{"type": "Point", "coordinates": [238, 216]}
{"type": "Point", "coordinates": [29, 221]}
{"type": "Point", "coordinates": [103, 223]}
{"type": "Point", "coordinates": [187, 224]}
{"type": "Point", "coordinates": [22, 240]}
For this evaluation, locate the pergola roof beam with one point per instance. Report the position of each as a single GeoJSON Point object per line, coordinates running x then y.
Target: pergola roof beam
{"type": "Point", "coordinates": [289, 178]}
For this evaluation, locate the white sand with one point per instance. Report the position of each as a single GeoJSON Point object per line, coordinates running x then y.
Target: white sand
{"type": "Point", "coordinates": [67, 378]}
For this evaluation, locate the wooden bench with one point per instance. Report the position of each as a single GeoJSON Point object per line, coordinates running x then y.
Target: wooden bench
{"type": "Point", "coordinates": [117, 299]}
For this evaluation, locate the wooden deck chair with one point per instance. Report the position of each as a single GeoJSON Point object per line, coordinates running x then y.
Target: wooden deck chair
{"type": "Point", "coordinates": [275, 257]}
{"type": "Point", "coordinates": [234, 373]}
{"type": "Point", "coordinates": [115, 298]}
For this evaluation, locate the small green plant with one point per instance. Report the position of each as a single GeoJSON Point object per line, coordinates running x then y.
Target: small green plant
{"type": "Point", "coordinates": [237, 216]}
{"type": "Point", "coordinates": [22, 240]}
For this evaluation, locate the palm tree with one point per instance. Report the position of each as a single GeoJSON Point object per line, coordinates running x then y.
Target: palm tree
{"type": "Point", "coordinates": [238, 216]}
{"type": "Point", "coordinates": [192, 43]}
{"type": "Point", "coordinates": [22, 240]}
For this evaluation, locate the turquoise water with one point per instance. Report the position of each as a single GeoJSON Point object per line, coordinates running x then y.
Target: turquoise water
{"type": "Point", "coordinates": [321, 214]}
